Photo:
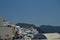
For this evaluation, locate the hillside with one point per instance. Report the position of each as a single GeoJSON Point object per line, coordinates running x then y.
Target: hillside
{"type": "Point", "coordinates": [42, 28]}
{"type": "Point", "coordinates": [26, 25]}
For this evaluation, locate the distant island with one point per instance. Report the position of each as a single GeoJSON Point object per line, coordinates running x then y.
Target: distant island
{"type": "Point", "coordinates": [42, 28]}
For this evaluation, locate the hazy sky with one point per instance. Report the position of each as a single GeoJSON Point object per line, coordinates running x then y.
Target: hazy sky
{"type": "Point", "coordinates": [38, 12]}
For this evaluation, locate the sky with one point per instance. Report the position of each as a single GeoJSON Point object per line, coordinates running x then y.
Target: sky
{"type": "Point", "coordinates": [38, 12]}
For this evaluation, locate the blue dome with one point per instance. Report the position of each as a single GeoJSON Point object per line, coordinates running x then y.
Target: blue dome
{"type": "Point", "coordinates": [39, 36]}
{"type": "Point", "coordinates": [30, 33]}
